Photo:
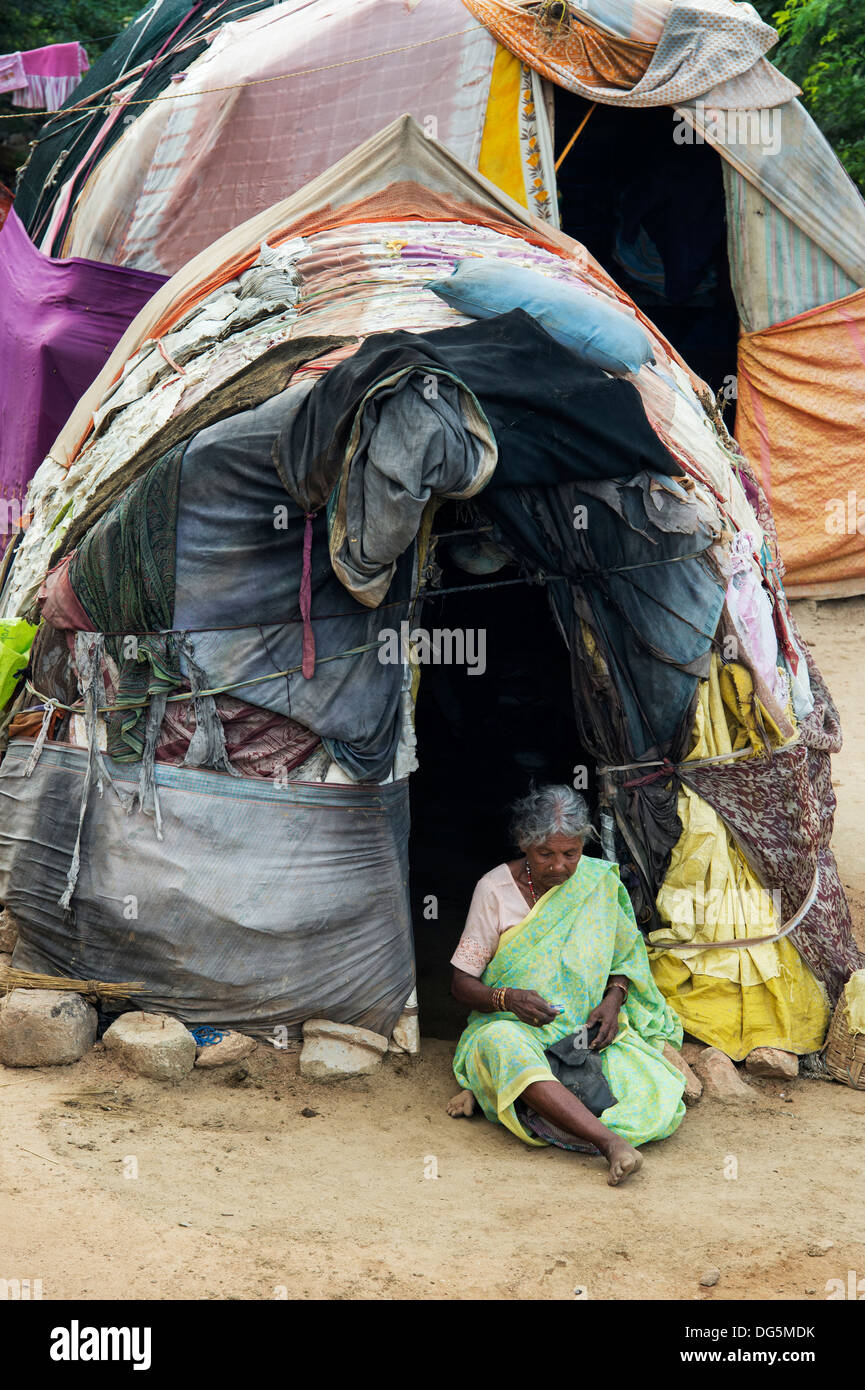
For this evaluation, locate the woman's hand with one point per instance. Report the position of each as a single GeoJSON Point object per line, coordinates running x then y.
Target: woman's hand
{"type": "Point", "coordinates": [607, 1015]}
{"type": "Point", "coordinates": [530, 1007]}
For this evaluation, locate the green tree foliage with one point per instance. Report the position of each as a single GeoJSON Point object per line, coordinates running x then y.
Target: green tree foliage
{"type": "Point", "coordinates": [35, 24]}
{"type": "Point", "coordinates": [822, 48]}
{"type": "Point", "coordinates": [92, 22]}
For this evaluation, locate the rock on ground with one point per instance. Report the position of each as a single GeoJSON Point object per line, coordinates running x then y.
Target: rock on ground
{"type": "Point", "coordinates": [820, 1247]}
{"type": "Point", "coordinates": [693, 1085]}
{"type": "Point", "coordinates": [720, 1078]}
{"type": "Point", "coordinates": [772, 1061]}
{"type": "Point", "coordinates": [232, 1048]}
{"type": "Point", "coordinates": [334, 1051]}
{"type": "Point", "coordinates": [691, 1051]}
{"type": "Point", "coordinates": [154, 1045]}
{"type": "Point", "coordinates": [710, 1278]}
{"type": "Point", "coordinates": [45, 1028]}
{"type": "Point", "coordinates": [406, 1030]}
{"type": "Point", "coordinates": [8, 932]}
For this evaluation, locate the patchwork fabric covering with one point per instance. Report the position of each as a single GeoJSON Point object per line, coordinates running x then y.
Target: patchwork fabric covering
{"type": "Point", "coordinates": [163, 39]}
{"type": "Point", "coordinates": [785, 834]}
{"type": "Point", "coordinates": [280, 367]}
{"type": "Point", "coordinates": [330, 75]}
{"type": "Point", "coordinates": [796, 229]}
{"type": "Point", "coordinates": [696, 49]}
{"type": "Point", "coordinates": [711, 884]}
{"type": "Point", "coordinates": [169, 142]}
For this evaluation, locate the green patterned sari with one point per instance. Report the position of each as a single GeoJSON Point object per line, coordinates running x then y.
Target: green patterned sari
{"type": "Point", "coordinates": [574, 938]}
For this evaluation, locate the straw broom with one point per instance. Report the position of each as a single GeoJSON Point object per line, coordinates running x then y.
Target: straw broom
{"type": "Point", "coordinates": [28, 979]}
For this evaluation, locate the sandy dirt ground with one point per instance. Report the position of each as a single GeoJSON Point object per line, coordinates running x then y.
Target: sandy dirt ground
{"type": "Point", "coordinates": [226, 1187]}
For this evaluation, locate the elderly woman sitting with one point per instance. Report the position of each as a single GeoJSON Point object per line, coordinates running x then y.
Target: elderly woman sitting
{"type": "Point", "coordinates": [555, 971]}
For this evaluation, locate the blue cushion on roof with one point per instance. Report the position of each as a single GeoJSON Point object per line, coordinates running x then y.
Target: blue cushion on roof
{"type": "Point", "coordinates": [606, 337]}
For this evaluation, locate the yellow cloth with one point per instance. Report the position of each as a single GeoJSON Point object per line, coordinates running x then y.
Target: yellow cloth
{"type": "Point", "coordinates": [735, 999]}
{"type": "Point", "coordinates": [854, 1002]}
{"type": "Point", "coordinates": [500, 158]}
{"type": "Point", "coordinates": [747, 720]}
{"type": "Point", "coordinates": [16, 639]}
{"type": "Point", "coordinates": [511, 142]}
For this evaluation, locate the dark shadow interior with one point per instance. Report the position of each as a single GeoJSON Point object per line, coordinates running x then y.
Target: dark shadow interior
{"type": "Point", "coordinates": [482, 740]}
{"type": "Point", "coordinates": [652, 211]}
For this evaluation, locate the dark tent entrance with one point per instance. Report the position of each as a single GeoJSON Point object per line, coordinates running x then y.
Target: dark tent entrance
{"type": "Point", "coordinates": [482, 739]}
{"type": "Point", "coordinates": [650, 207]}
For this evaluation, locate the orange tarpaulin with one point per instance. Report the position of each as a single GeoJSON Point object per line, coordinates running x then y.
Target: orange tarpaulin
{"type": "Point", "coordinates": [552, 47]}
{"type": "Point", "coordinates": [800, 418]}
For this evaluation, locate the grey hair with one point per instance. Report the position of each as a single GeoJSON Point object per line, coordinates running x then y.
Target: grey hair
{"type": "Point", "coordinates": [550, 810]}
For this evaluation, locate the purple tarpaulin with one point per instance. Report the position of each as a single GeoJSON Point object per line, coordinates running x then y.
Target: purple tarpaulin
{"type": "Point", "coordinates": [59, 322]}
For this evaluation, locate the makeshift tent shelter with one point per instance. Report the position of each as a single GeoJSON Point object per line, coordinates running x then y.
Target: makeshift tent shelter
{"type": "Point", "coordinates": [265, 443]}
{"type": "Point", "coordinates": [795, 231]}
{"type": "Point", "coordinates": [767, 240]}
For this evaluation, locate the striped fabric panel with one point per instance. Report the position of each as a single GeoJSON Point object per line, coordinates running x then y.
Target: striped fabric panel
{"type": "Point", "coordinates": [776, 270]}
{"type": "Point", "coordinates": [642, 20]}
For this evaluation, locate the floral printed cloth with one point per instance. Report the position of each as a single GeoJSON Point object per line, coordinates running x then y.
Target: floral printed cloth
{"type": "Point", "coordinates": [780, 810]}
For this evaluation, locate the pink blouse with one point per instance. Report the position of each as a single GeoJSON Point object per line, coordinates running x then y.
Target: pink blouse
{"type": "Point", "coordinates": [497, 904]}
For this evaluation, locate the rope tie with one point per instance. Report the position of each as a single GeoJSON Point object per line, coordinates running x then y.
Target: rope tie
{"type": "Point", "coordinates": [50, 709]}
{"type": "Point", "coordinates": [745, 943]}
{"type": "Point", "coordinates": [88, 659]}
{"type": "Point", "coordinates": [166, 356]}
{"type": "Point", "coordinates": [666, 769]}
{"type": "Point", "coordinates": [254, 82]}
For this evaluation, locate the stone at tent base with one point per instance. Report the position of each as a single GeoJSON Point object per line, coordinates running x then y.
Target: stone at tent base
{"type": "Point", "coordinates": [8, 932]}
{"type": "Point", "coordinates": [693, 1085]}
{"type": "Point", "coordinates": [720, 1078]}
{"type": "Point", "coordinates": [820, 1247]}
{"type": "Point", "coordinates": [335, 1051]}
{"type": "Point", "coordinates": [691, 1051]}
{"type": "Point", "coordinates": [232, 1048]}
{"type": "Point", "coordinates": [772, 1061]}
{"type": "Point", "coordinates": [45, 1028]}
{"type": "Point", "coordinates": [154, 1045]}
{"type": "Point", "coordinates": [406, 1032]}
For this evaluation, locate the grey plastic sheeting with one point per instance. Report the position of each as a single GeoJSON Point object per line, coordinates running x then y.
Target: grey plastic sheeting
{"type": "Point", "coordinates": [261, 907]}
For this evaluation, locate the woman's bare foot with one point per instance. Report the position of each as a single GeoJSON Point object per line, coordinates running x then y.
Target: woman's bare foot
{"type": "Point", "coordinates": [623, 1161]}
{"type": "Point", "coordinates": [462, 1104]}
